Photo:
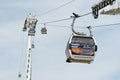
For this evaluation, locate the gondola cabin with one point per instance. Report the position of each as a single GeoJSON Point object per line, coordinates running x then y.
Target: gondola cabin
{"type": "Point", "coordinates": [44, 31]}
{"type": "Point", "coordinates": [81, 48]}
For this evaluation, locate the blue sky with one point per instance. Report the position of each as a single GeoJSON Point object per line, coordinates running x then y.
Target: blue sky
{"type": "Point", "coordinates": [49, 53]}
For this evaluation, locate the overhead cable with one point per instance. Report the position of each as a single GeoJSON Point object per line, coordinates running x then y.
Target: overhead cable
{"type": "Point", "coordinates": [66, 18]}
{"type": "Point", "coordinates": [86, 27]}
{"type": "Point", "coordinates": [56, 21]}
{"type": "Point", "coordinates": [84, 14]}
{"type": "Point", "coordinates": [106, 25]}
{"type": "Point", "coordinates": [54, 9]}
{"type": "Point", "coordinates": [60, 26]}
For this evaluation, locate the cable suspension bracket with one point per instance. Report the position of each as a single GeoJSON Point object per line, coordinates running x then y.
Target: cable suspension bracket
{"type": "Point", "coordinates": [72, 26]}
{"type": "Point", "coordinates": [75, 16]}
{"type": "Point", "coordinates": [89, 28]}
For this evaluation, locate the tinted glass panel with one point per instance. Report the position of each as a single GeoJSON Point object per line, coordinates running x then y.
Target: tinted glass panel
{"type": "Point", "coordinates": [82, 46]}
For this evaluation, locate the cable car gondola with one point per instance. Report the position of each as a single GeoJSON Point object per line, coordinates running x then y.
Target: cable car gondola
{"type": "Point", "coordinates": [44, 31]}
{"type": "Point", "coordinates": [80, 48]}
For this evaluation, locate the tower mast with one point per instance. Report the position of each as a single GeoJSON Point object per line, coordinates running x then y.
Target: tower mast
{"type": "Point", "coordinates": [30, 24]}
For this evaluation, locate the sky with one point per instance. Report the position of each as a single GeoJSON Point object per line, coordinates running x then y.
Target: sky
{"type": "Point", "coordinates": [48, 56]}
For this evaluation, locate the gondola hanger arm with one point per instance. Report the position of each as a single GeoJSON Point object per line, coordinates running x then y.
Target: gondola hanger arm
{"type": "Point", "coordinates": [75, 16]}
{"type": "Point", "coordinates": [72, 25]}
{"type": "Point", "coordinates": [89, 28]}
{"type": "Point", "coordinates": [73, 22]}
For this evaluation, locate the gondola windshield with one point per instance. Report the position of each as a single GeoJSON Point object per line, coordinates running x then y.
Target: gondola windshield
{"type": "Point", "coordinates": [82, 46]}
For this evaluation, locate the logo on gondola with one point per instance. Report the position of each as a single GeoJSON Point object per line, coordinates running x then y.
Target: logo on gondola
{"type": "Point", "coordinates": [82, 57]}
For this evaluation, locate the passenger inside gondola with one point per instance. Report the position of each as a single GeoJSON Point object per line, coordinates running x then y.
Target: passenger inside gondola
{"type": "Point", "coordinates": [77, 51]}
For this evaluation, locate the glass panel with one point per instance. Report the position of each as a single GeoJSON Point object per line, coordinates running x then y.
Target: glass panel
{"type": "Point", "coordinates": [82, 46]}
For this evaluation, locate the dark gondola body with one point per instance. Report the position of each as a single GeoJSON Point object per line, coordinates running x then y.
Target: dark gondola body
{"type": "Point", "coordinates": [81, 48]}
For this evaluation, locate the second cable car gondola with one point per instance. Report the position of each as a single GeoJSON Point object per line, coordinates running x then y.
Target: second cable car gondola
{"type": "Point", "coordinates": [81, 48]}
{"type": "Point", "coordinates": [44, 31]}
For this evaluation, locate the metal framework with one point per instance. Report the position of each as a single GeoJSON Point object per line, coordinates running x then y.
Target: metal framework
{"type": "Point", "coordinates": [30, 23]}
{"type": "Point", "coordinates": [101, 5]}
{"type": "Point", "coordinates": [113, 11]}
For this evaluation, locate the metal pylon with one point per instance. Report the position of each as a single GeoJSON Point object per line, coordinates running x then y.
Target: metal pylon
{"type": "Point", "coordinates": [30, 23]}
